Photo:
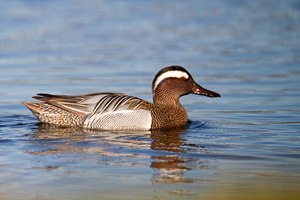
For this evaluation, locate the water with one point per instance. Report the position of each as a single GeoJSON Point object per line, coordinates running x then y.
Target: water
{"type": "Point", "coordinates": [244, 145]}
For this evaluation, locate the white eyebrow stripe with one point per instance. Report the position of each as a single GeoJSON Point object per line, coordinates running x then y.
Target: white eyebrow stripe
{"type": "Point", "coordinates": [170, 74]}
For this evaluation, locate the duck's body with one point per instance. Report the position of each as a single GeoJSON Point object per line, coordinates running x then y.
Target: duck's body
{"type": "Point", "coordinates": [106, 111]}
{"type": "Point", "coordinates": [117, 111]}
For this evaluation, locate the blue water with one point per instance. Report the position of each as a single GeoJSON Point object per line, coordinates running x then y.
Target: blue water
{"type": "Point", "coordinates": [244, 145]}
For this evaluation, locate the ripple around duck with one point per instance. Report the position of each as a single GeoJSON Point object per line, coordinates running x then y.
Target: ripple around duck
{"type": "Point", "coordinates": [201, 140]}
{"type": "Point", "coordinates": [6, 141]}
{"type": "Point", "coordinates": [222, 140]}
{"type": "Point", "coordinates": [15, 121]}
{"type": "Point", "coordinates": [197, 130]}
{"type": "Point", "coordinates": [199, 124]}
{"type": "Point", "coordinates": [202, 130]}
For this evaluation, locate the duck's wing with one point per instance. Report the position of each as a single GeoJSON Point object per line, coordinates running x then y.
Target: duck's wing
{"type": "Point", "coordinates": [119, 112]}
{"type": "Point", "coordinates": [95, 103]}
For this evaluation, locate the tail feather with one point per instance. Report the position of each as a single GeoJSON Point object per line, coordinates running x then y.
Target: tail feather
{"type": "Point", "coordinates": [46, 97]}
{"type": "Point", "coordinates": [33, 107]}
{"type": "Point", "coordinates": [51, 114]}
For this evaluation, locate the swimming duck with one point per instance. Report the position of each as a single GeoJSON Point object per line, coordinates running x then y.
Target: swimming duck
{"type": "Point", "coordinates": [118, 111]}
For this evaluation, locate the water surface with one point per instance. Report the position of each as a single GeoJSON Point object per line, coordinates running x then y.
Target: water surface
{"type": "Point", "coordinates": [244, 145]}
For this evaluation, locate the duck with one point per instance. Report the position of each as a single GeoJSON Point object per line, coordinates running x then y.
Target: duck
{"type": "Point", "coordinates": [118, 111]}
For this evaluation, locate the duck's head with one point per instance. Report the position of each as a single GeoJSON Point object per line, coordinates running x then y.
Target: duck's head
{"type": "Point", "coordinates": [172, 82]}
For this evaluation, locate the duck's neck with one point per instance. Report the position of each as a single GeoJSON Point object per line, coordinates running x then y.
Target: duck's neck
{"type": "Point", "coordinates": [162, 97]}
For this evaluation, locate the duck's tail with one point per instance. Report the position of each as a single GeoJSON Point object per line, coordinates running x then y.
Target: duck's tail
{"type": "Point", "coordinates": [48, 113]}
{"type": "Point", "coordinates": [34, 108]}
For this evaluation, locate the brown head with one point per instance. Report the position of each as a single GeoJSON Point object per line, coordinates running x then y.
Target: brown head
{"type": "Point", "coordinates": [172, 82]}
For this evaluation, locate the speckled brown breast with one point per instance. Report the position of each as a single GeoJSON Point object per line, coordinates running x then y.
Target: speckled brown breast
{"type": "Point", "coordinates": [164, 117]}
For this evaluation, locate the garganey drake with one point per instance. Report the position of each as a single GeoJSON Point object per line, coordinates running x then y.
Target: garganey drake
{"type": "Point", "coordinates": [117, 111]}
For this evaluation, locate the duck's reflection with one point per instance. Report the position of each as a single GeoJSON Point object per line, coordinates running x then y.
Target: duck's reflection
{"type": "Point", "coordinates": [166, 149]}
{"type": "Point", "coordinates": [170, 166]}
{"type": "Point", "coordinates": [57, 139]}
